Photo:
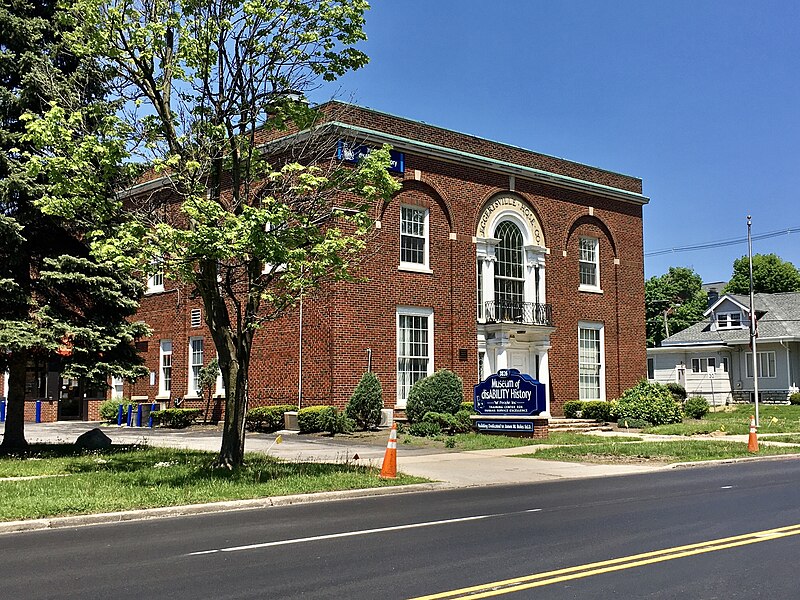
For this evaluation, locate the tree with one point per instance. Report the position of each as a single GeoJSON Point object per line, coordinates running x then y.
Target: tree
{"type": "Point", "coordinates": [771, 275]}
{"type": "Point", "coordinates": [365, 405]}
{"type": "Point", "coordinates": [675, 297]}
{"type": "Point", "coordinates": [55, 299]}
{"type": "Point", "coordinates": [204, 85]}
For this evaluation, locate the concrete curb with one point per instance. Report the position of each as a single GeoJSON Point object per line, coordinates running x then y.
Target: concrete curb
{"type": "Point", "coordinates": [730, 461]}
{"type": "Point", "coordinates": [213, 507]}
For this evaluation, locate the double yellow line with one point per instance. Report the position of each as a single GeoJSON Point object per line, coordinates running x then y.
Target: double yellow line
{"type": "Point", "coordinates": [518, 584]}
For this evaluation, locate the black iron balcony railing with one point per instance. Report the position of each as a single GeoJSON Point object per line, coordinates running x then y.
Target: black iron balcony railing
{"type": "Point", "coordinates": [524, 313]}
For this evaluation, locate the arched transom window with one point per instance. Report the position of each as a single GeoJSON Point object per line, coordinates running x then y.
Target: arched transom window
{"type": "Point", "coordinates": [509, 275]}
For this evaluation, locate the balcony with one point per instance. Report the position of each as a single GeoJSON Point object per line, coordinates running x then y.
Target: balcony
{"type": "Point", "coordinates": [521, 313]}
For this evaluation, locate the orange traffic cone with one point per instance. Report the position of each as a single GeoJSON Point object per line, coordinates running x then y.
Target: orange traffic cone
{"type": "Point", "coordinates": [389, 468]}
{"type": "Point", "coordinates": [752, 441]}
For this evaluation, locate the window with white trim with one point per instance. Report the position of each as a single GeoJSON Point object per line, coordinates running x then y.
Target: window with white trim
{"type": "Point", "coordinates": [765, 362]}
{"type": "Point", "coordinates": [195, 364]}
{"type": "Point", "coordinates": [165, 368]}
{"type": "Point", "coordinates": [729, 320]}
{"type": "Point", "coordinates": [509, 274]}
{"type": "Point", "coordinates": [220, 384]}
{"type": "Point", "coordinates": [589, 263]}
{"type": "Point", "coordinates": [414, 237]}
{"type": "Point", "coordinates": [704, 365]}
{"type": "Point", "coordinates": [117, 387]}
{"type": "Point", "coordinates": [651, 368]}
{"type": "Point", "coordinates": [591, 364]}
{"type": "Point", "coordinates": [414, 348]}
{"type": "Point", "coordinates": [155, 282]}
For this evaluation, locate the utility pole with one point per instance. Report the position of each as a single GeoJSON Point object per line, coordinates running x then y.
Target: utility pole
{"type": "Point", "coordinates": [753, 328]}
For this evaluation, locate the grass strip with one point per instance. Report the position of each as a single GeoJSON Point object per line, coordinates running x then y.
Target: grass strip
{"type": "Point", "coordinates": [659, 452]}
{"type": "Point", "coordinates": [131, 478]}
{"type": "Point", "coordinates": [481, 441]}
{"type": "Point", "coordinates": [736, 420]}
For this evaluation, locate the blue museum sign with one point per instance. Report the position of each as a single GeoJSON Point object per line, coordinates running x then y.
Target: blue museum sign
{"type": "Point", "coordinates": [510, 393]}
{"type": "Point", "coordinates": [350, 152]}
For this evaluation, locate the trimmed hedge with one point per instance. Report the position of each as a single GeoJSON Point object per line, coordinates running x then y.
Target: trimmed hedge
{"type": "Point", "coordinates": [176, 418]}
{"type": "Point", "coordinates": [315, 419]}
{"type": "Point", "coordinates": [696, 407]}
{"type": "Point", "coordinates": [442, 392]}
{"type": "Point", "coordinates": [424, 429]}
{"type": "Point", "coordinates": [648, 401]}
{"type": "Point", "coordinates": [598, 410]}
{"type": "Point", "coordinates": [364, 406]}
{"type": "Point", "coordinates": [267, 418]}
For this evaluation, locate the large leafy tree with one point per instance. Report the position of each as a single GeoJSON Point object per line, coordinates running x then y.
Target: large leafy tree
{"type": "Point", "coordinates": [54, 296]}
{"type": "Point", "coordinates": [771, 275]}
{"type": "Point", "coordinates": [205, 84]}
{"type": "Point", "coordinates": [675, 298]}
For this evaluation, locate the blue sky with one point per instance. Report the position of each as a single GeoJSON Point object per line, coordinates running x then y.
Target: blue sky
{"type": "Point", "coordinates": [700, 99]}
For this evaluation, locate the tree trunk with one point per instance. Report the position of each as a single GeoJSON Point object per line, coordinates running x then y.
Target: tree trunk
{"type": "Point", "coordinates": [14, 436]}
{"type": "Point", "coordinates": [231, 454]}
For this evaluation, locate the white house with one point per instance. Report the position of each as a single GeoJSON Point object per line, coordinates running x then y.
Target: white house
{"type": "Point", "coordinates": [713, 358]}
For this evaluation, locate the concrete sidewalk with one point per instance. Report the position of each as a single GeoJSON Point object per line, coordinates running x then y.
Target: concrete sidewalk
{"type": "Point", "coordinates": [474, 468]}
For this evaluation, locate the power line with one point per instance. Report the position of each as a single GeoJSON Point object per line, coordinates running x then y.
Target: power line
{"type": "Point", "coordinates": [721, 243]}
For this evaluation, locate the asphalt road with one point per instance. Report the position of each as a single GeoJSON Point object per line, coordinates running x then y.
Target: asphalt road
{"type": "Point", "coordinates": [411, 545]}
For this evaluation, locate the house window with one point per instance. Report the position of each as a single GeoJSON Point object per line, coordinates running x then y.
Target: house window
{"type": "Point", "coordinates": [509, 273]}
{"type": "Point", "coordinates": [165, 368]}
{"type": "Point", "coordinates": [413, 237]}
{"type": "Point", "coordinates": [481, 358]}
{"type": "Point", "coordinates": [589, 263]}
{"type": "Point", "coordinates": [591, 372]}
{"type": "Point", "coordinates": [704, 365]}
{"type": "Point", "coordinates": [195, 364]}
{"type": "Point", "coordinates": [723, 364]}
{"type": "Point", "coordinates": [730, 320]}
{"type": "Point", "coordinates": [117, 387]}
{"type": "Point", "coordinates": [651, 368]}
{"type": "Point", "coordinates": [414, 349]}
{"type": "Point", "coordinates": [480, 289]}
{"type": "Point", "coordinates": [155, 282]}
{"type": "Point", "coordinates": [765, 362]}
{"type": "Point", "coordinates": [197, 317]}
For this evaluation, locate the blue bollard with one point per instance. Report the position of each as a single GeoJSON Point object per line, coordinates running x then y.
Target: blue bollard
{"type": "Point", "coordinates": [138, 415]}
{"type": "Point", "coordinates": [152, 410]}
{"type": "Point", "coordinates": [130, 415]}
{"type": "Point", "coordinates": [3, 411]}
{"type": "Point", "coordinates": [38, 411]}
{"type": "Point", "coordinates": [119, 416]}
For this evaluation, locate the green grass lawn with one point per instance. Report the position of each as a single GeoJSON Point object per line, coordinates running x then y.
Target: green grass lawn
{"type": "Point", "coordinates": [773, 419]}
{"type": "Point", "coordinates": [480, 441]}
{"type": "Point", "coordinates": [128, 478]}
{"type": "Point", "coordinates": [681, 450]}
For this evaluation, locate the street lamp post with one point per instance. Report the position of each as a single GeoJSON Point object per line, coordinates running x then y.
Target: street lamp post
{"type": "Point", "coordinates": [753, 328]}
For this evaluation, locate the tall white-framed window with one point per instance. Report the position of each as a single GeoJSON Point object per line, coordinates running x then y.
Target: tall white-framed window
{"type": "Point", "coordinates": [589, 263]}
{"type": "Point", "coordinates": [155, 281]}
{"type": "Point", "coordinates": [195, 364]}
{"type": "Point", "coordinates": [117, 387]}
{"type": "Point", "coordinates": [220, 385]}
{"type": "Point", "coordinates": [414, 348]}
{"type": "Point", "coordinates": [765, 362]}
{"type": "Point", "coordinates": [651, 368]}
{"type": "Point", "coordinates": [591, 361]}
{"type": "Point", "coordinates": [509, 274]}
{"type": "Point", "coordinates": [414, 238]}
{"type": "Point", "coordinates": [165, 368]}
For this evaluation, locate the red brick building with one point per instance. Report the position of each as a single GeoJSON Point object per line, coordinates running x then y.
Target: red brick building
{"type": "Point", "coordinates": [490, 256]}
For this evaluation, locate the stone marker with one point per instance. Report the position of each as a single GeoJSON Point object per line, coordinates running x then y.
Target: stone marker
{"type": "Point", "coordinates": [94, 439]}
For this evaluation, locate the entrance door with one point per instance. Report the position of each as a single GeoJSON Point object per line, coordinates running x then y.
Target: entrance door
{"type": "Point", "coordinates": [520, 360]}
{"type": "Point", "coordinates": [69, 400]}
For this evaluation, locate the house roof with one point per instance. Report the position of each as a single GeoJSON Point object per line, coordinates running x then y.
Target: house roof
{"type": "Point", "coordinates": [778, 318]}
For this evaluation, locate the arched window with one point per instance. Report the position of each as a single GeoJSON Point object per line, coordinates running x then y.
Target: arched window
{"type": "Point", "coordinates": [509, 274]}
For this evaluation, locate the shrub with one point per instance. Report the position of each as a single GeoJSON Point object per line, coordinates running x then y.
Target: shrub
{"type": "Point", "coordinates": [696, 407]}
{"type": "Point", "coordinates": [572, 409]}
{"type": "Point", "coordinates": [648, 401]}
{"type": "Point", "coordinates": [463, 421]}
{"type": "Point", "coordinates": [424, 429]}
{"type": "Point", "coordinates": [441, 392]}
{"type": "Point", "coordinates": [266, 418]}
{"type": "Point", "coordinates": [677, 390]}
{"type": "Point", "coordinates": [447, 423]}
{"type": "Point", "coordinates": [110, 409]}
{"type": "Point", "coordinates": [794, 398]}
{"type": "Point", "coordinates": [313, 419]}
{"type": "Point", "coordinates": [364, 406]}
{"type": "Point", "coordinates": [175, 418]}
{"type": "Point", "coordinates": [468, 406]}
{"type": "Point", "coordinates": [633, 423]}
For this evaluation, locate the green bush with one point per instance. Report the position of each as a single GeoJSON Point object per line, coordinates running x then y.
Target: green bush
{"type": "Point", "coordinates": [648, 401]}
{"type": "Point", "coordinates": [441, 392]}
{"type": "Point", "coordinates": [463, 421]}
{"type": "Point", "coordinates": [314, 419]}
{"type": "Point", "coordinates": [468, 406]}
{"type": "Point", "coordinates": [364, 406]}
{"type": "Point", "coordinates": [633, 423]}
{"type": "Point", "coordinates": [175, 418]}
{"type": "Point", "coordinates": [447, 423]}
{"type": "Point", "coordinates": [110, 409]}
{"type": "Point", "coordinates": [572, 409]}
{"type": "Point", "coordinates": [677, 390]}
{"type": "Point", "coordinates": [267, 418]}
{"type": "Point", "coordinates": [696, 407]}
{"type": "Point", "coordinates": [794, 398]}
{"type": "Point", "coordinates": [424, 429]}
